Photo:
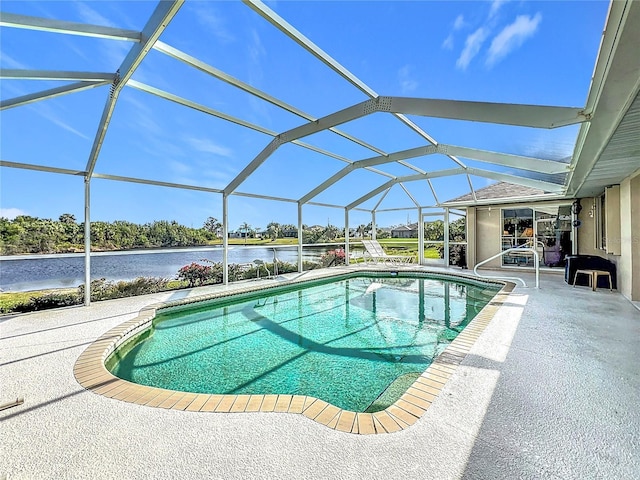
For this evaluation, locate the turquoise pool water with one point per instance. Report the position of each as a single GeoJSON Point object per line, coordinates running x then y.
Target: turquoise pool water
{"type": "Point", "coordinates": [343, 341]}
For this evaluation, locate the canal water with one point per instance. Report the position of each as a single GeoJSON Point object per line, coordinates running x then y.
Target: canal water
{"type": "Point", "coordinates": [35, 272]}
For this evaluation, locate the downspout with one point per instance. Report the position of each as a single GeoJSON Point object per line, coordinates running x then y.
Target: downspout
{"type": "Point", "coordinates": [225, 239]}
{"type": "Point", "coordinates": [87, 241]}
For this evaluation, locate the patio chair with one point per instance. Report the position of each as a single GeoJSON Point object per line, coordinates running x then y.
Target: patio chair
{"type": "Point", "coordinates": [375, 252]}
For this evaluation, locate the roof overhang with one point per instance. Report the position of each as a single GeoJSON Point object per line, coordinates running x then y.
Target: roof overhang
{"type": "Point", "coordinates": [608, 147]}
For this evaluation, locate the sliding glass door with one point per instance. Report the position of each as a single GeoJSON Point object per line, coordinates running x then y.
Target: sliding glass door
{"type": "Point", "coordinates": [547, 229]}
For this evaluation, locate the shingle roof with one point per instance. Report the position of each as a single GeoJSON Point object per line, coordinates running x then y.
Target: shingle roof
{"type": "Point", "coordinates": [499, 190]}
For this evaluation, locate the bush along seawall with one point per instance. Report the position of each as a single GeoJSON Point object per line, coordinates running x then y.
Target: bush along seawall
{"type": "Point", "coordinates": [192, 275]}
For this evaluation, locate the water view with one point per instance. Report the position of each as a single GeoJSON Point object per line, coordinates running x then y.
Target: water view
{"type": "Point", "coordinates": [36, 272]}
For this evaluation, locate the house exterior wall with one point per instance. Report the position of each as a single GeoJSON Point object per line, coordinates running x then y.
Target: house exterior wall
{"type": "Point", "coordinates": [626, 238]}
{"type": "Point", "coordinates": [488, 233]}
{"type": "Point", "coordinates": [471, 236]}
{"type": "Point", "coordinates": [485, 228]}
{"type": "Point", "coordinates": [629, 262]}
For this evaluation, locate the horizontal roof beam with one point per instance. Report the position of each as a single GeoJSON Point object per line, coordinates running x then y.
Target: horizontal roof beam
{"type": "Point", "coordinates": [155, 183]}
{"type": "Point", "coordinates": [379, 160]}
{"type": "Point", "coordinates": [51, 93]}
{"type": "Point", "coordinates": [220, 75]}
{"type": "Point", "coordinates": [69, 28]}
{"type": "Point", "coordinates": [19, 74]}
{"type": "Point", "coordinates": [536, 116]}
{"type": "Point", "coordinates": [40, 168]}
{"type": "Point", "coordinates": [216, 113]}
{"type": "Point", "coordinates": [505, 159]}
{"type": "Point", "coordinates": [408, 178]}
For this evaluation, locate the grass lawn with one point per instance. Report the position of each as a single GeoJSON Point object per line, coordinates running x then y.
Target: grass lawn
{"type": "Point", "coordinates": [8, 300]}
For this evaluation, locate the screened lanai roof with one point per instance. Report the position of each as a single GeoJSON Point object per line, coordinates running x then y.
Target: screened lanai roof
{"type": "Point", "coordinates": [333, 104]}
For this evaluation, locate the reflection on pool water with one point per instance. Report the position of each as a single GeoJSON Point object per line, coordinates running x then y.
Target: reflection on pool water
{"type": "Point", "coordinates": [344, 341]}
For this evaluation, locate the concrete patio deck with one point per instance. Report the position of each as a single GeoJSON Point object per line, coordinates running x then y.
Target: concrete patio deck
{"type": "Point", "coordinates": [550, 390]}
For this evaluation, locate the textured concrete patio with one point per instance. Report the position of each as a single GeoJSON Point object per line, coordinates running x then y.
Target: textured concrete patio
{"type": "Point", "coordinates": [550, 390]}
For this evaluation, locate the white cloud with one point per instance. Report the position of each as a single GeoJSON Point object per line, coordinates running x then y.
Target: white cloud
{"type": "Point", "coordinates": [448, 42]}
{"type": "Point", "coordinates": [495, 6]}
{"type": "Point", "coordinates": [89, 15]}
{"type": "Point", "coordinates": [512, 37]}
{"type": "Point", "coordinates": [46, 112]}
{"type": "Point", "coordinates": [114, 52]}
{"type": "Point", "coordinates": [407, 82]}
{"type": "Point", "coordinates": [9, 62]}
{"type": "Point", "coordinates": [255, 47]}
{"type": "Point", "coordinates": [179, 167]}
{"type": "Point", "coordinates": [471, 47]}
{"type": "Point", "coordinates": [458, 24]}
{"type": "Point", "coordinates": [207, 146]}
{"type": "Point", "coordinates": [11, 213]}
{"type": "Point", "coordinates": [209, 18]}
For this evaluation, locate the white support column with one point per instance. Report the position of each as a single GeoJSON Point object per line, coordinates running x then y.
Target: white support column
{"type": "Point", "coordinates": [420, 237]}
{"type": "Point", "coordinates": [446, 237]}
{"type": "Point", "coordinates": [373, 225]}
{"type": "Point", "coordinates": [225, 239]}
{"type": "Point", "coordinates": [346, 236]}
{"type": "Point", "coordinates": [87, 241]}
{"type": "Point", "coordinates": [300, 265]}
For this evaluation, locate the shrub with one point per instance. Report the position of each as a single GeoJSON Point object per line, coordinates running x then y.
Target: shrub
{"type": "Point", "coordinates": [333, 257]}
{"type": "Point", "coordinates": [102, 289]}
{"type": "Point", "coordinates": [195, 274]}
{"type": "Point", "coordinates": [53, 300]}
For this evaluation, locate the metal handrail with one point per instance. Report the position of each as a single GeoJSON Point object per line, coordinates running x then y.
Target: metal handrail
{"type": "Point", "coordinates": [509, 250]}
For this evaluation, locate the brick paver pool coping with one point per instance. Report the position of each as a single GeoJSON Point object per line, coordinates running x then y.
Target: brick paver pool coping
{"type": "Point", "coordinates": [91, 373]}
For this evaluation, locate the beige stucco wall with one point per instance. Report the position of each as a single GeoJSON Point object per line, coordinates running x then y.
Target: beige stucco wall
{"type": "Point", "coordinates": [488, 230]}
{"type": "Point", "coordinates": [587, 230]}
{"type": "Point", "coordinates": [628, 262]}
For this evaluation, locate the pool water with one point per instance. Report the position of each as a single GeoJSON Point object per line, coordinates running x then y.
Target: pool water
{"type": "Point", "coordinates": [341, 341]}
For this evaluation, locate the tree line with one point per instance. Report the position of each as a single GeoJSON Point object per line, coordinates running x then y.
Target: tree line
{"type": "Point", "coordinates": [26, 234]}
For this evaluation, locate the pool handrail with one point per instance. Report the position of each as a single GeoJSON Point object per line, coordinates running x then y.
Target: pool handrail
{"type": "Point", "coordinates": [536, 256]}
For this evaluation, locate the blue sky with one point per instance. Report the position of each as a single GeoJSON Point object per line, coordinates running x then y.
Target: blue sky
{"type": "Point", "coordinates": [500, 51]}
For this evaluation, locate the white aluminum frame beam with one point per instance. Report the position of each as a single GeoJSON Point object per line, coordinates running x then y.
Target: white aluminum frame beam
{"type": "Point", "coordinates": [551, 187]}
{"type": "Point", "coordinates": [40, 168]}
{"type": "Point", "coordinates": [415, 202]}
{"type": "Point", "coordinates": [20, 74]}
{"type": "Point", "coordinates": [159, 20]}
{"type": "Point", "coordinates": [471, 189]}
{"type": "Point", "coordinates": [505, 159]}
{"type": "Point", "coordinates": [522, 115]}
{"type": "Point", "coordinates": [51, 93]}
{"type": "Point", "coordinates": [497, 158]}
{"type": "Point", "coordinates": [286, 28]}
{"type": "Point", "coordinates": [220, 75]}
{"type": "Point", "coordinates": [216, 113]}
{"type": "Point", "coordinates": [69, 28]}
{"type": "Point", "coordinates": [433, 190]}
{"type": "Point", "coordinates": [536, 116]}
{"type": "Point", "coordinates": [157, 183]}
{"type": "Point", "coordinates": [409, 178]}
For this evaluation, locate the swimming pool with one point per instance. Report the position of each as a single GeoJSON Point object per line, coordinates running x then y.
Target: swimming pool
{"type": "Point", "coordinates": [357, 341]}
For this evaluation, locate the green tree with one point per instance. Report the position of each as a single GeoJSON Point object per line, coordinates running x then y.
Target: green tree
{"type": "Point", "coordinates": [273, 230]}
{"type": "Point", "coordinates": [212, 225]}
{"type": "Point", "coordinates": [246, 228]}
